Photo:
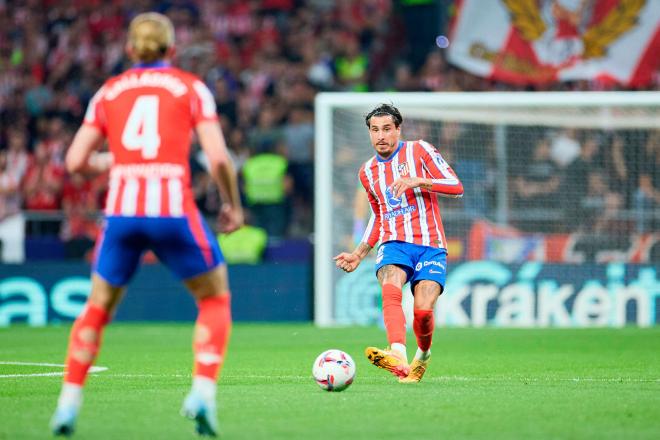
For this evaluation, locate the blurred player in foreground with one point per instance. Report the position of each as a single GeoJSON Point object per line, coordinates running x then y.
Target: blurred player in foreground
{"type": "Point", "coordinates": [401, 182]}
{"type": "Point", "coordinates": [147, 114]}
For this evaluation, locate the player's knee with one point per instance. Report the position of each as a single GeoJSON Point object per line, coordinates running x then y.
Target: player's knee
{"type": "Point", "coordinates": [391, 274]}
{"type": "Point", "coordinates": [209, 284]}
{"type": "Point", "coordinates": [426, 295]}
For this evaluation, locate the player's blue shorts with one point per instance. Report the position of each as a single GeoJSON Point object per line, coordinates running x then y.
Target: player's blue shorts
{"type": "Point", "coordinates": [185, 245]}
{"type": "Point", "coordinates": [419, 262]}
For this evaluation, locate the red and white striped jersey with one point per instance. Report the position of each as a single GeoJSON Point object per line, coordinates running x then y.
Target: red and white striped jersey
{"type": "Point", "coordinates": [415, 216]}
{"type": "Point", "coordinates": [147, 115]}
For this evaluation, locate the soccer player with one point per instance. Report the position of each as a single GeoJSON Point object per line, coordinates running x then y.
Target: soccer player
{"type": "Point", "coordinates": [401, 182]}
{"type": "Point", "coordinates": [147, 115]}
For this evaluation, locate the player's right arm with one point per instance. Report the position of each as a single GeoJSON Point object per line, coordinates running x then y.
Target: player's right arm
{"type": "Point", "coordinates": [82, 156]}
{"type": "Point", "coordinates": [223, 173]}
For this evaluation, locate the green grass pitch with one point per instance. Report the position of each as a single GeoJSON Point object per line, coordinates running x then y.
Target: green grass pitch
{"type": "Point", "coordinates": [482, 383]}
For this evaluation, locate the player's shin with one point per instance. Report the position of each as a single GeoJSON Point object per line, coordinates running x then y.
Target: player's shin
{"type": "Point", "coordinates": [395, 321]}
{"type": "Point", "coordinates": [84, 343]}
{"type": "Point", "coordinates": [212, 331]}
{"type": "Point", "coordinates": [423, 325]}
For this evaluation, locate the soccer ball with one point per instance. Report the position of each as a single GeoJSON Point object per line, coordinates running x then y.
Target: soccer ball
{"type": "Point", "coordinates": [334, 370]}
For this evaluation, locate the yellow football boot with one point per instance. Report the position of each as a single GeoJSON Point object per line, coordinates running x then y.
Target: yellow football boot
{"type": "Point", "coordinates": [417, 370]}
{"type": "Point", "coordinates": [389, 360]}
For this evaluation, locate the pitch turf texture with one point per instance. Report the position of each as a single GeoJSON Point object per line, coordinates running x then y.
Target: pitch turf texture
{"type": "Point", "coordinates": [483, 383]}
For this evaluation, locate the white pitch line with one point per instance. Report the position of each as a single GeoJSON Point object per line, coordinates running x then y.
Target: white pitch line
{"type": "Point", "coordinates": [446, 379]}
{"type": "Point", "coordinates": [93, 369]}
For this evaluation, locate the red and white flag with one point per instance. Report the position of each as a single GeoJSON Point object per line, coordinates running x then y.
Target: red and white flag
{"type": "Point", "coordinates": [542, 41]}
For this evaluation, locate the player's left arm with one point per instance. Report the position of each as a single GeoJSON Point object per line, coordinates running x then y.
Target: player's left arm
{"type": "Point", "coordinates": [442, 179]}
{"type": "Point", "coordinates": [83, 157]}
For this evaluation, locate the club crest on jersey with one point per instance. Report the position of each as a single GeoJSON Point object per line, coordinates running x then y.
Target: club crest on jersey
{"type": "Point", "coordinates": [392, 202]}
{"type": "Point", "coordinates": [403, 169]}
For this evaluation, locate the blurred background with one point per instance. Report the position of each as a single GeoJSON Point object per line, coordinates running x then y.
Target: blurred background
{"type": "Point", "coordinates": [581, 200]}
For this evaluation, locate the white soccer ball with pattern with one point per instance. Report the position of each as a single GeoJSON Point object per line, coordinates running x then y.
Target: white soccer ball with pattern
{"type": "Point", "coordinates": [334, 370]}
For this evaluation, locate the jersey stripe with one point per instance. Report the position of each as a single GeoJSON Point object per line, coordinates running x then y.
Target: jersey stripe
{"type": "Point", "coordinates": [406, 221]}
{"type": "Point", "coordinates": [152, 198]}
{"type": "Point", "coordinates": [423, 223]}
{"type": "Point", "coordinates": [175, 194]}
{"type": "Point", "coordinates": [111, 199]}
{"type": "Point", "coordinates": [129, 197]}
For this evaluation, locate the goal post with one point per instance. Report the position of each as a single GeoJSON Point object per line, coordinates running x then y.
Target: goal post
{"type": "Point", "coordinates": [490, 138]}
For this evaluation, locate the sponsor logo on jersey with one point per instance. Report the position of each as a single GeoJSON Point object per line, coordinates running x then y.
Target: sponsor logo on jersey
{"type": "Point", "coordinates": [434, 263]}
{"type": "Point", "coordinates": [392, 202]}
{"type": "Point", "coordinates": [437, 264]}
{"type": "Point", "coordinates": [398, 212]}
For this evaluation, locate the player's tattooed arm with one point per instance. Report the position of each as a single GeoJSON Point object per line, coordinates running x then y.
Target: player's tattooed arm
{"type": "Point", "coordinates": [362, 250]}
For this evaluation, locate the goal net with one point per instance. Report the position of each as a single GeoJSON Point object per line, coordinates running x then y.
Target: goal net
{"type": "Point", "coordinates": [558, 225]}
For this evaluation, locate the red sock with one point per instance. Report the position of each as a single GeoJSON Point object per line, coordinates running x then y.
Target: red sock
{"type": "Point", "coordinates": [84, 343]}
{"type": "Point", "coordinates": [211, 335]}
{"type": "Point", "coordinates": [423, 325]}
{"type": "Point", "coordinates": [395, 322]}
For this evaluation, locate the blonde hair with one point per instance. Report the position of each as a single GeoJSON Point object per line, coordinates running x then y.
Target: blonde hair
{"type": "Point", "coordinates": [150, 35]}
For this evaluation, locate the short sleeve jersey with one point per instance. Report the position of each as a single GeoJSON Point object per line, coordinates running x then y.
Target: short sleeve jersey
{"type": "Point", "coordinates": [147, 116]}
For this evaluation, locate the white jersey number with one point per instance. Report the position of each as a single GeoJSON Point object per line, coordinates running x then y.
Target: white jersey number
{"type": "Point", "coordinates": [141, 129]}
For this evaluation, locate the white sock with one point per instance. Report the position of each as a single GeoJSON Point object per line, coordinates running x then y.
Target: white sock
{"type": "Point", "coordinates": [401, 349]}
{"type": "Point", "coordinates": [71, 395]}
{"type": "Point", "coordinates": [423, 355]}
{"type": "Point", "coordinates": [205, 387]}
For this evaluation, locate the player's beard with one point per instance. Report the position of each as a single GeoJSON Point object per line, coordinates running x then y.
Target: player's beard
{"type": "Point", "coordinates": [386, 154]}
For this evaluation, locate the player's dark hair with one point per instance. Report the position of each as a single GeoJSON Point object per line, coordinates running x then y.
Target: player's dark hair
{"type": "Point", "coordinates": [382, 110]}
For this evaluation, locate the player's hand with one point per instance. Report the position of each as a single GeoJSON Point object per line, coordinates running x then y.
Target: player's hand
{"type": "Point", "coordinates": [347, 262]}
{"type": "Point", "coordinates": [230, 218]}
{"type": "Point", "coordinates": [403, 184]}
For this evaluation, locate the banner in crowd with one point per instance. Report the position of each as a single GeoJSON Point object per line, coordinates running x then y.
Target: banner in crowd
{"type": "Point", "coordinates": [533, 294]}
{"type": "Point", "coordinates": [543, 41]}
{"type": "Point", "coordinates": [488, 241]}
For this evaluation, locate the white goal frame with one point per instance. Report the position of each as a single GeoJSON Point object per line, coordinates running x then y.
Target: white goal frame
{"type": "Point", "coordinates": [433, 106]}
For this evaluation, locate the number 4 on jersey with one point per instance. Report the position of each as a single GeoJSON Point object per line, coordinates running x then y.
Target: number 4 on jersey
{"type": "Point", "coordinates": [141, 129]}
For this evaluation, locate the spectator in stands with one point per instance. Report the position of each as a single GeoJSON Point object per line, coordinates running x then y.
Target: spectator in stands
{"type": "Point", "coordinates": [575, 182]}
{"type": "Point", "coordinates": [12, 222]}
{"type": "Point", "coordinates": [299, 144]}
{"type": "Point", "coordinates": [80, 207]}
{"type": "Point", "coordinates": [618, 161]}
{"type": "Point", "coordinates": [472, 150]}
{"type": "Point", "coordinates": [352, 66]}
{"type": "Point", "coordinates": [18, 157]}
{"type": "Point", "coordinates": [537, 185]}
{"type": "Point", "coordinates": [593, 200]}
{"type": "Point", "coordinates": [647, 197]}
{"type": "Point", "coordinates": [267, 133]}
{"type": "Point", "coordinates": [565, 147]}
{"type": "Point", "coordinates": [267, 188]}
{"type": "Point", "coordinates": [432, 73]}
{"type": "Point", "coordinates": [42, 190]}
{"type": "Point", "coordinates": [244, 246]}
{"type": "Point", "coordinates": [404, 79]}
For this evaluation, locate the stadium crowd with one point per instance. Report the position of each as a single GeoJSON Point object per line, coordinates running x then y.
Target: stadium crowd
{"type": "Point", "coordinates": [264, 60]}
